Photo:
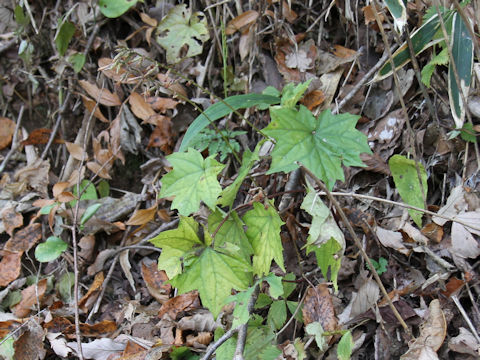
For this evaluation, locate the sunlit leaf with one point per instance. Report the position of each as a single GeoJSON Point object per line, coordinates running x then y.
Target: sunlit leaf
{"type": "Point", "coordinates": [193, 179]}
{"type": "Point", "coordinates": [321, 144]}
{"type": "Point", "coordinates": [51, 249]}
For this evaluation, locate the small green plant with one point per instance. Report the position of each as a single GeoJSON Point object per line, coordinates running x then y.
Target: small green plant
{"type": "Point", "coordinates": [215, 142]}
{"type": "Point", "coordinates": [380, 266]}
{"type": "Point", "coordinates": [236, 249]}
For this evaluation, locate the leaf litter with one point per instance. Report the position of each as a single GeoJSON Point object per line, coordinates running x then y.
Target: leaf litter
{"type": "Point", "coordinates": [124, 127]}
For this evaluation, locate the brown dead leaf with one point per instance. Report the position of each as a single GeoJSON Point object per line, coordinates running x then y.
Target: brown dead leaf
{"type": "Point", "coordinates": [465, 343]}
{"type": "Point", "coordinates": [93, 330]}
{"type": "Point", "coordinates": [29, 298]}
{"type": "Point", "coordinates": [96, 168]}
{"type": "Point", "coordinates": [155, 280]}
{"type": "Point", "coordinates": [313, 99]}
{"type": "Point", "coordinates": [343, 52]}
{"type": "Point", "coordinates": [35, 176]}
{"type": "Point", "coordinates": [87, 246]}
{"type": "Point", "coordinates": [103, 96]}
{"type": "Point", "coordinates": [244, 19]}
{"type": "Point", "coordinates": [203, 339]}
{"type": "Point", "coordinates": [132, 348]}
{"type": "Point", "coordinates": [10, 267]}
{"type": "Point", "coordinates": [162, 104]}
{"type": "Point", "coordinates": [148, 20]}
{"type": "Point", "coordinates": [59, 187]}
{"type": "Point", "coordinates": [7, 128]}
{"type": "Point", "coordinates": [118, 74]}
{"type": "Point", "coordinates": [11, 220]}
{"type": "Point", "coordinates": [24, 239]}
{"type": "Point", "coordinates": [8, 326]}
{"type": "Point", "coordinates": [29, 346]}
{"type": "Point", "coordinates": [180, 303]}
{"type": "Point", "coordinates": [40, 137]}
{"type": "Point", "coordinates": [76, 151]}
{"type": "Point", "coordinates": [432, 334]}
{"type": "Point", "coordinates": [162, 137]}
{"type": "Point", "coordinates": [142, 216]}
{"type": "Point", "coordinates": [453, 286]}
{"type": "Point", "coordinates": [433, 231]}
{"type": "Point", "coordinates": [91, 107]}
{"type": "Point", "coordinates": [392, 239]}
{"type": "Point", "coordinates": [140, 107]}
{"type": "Point", "coordinates": [57, 325]}
{"type": "Point", "coordinates": [318, 307]}
{"type": "Point", "coordinates": [375, 163]}
{"type": "Point", "coordinates": [289, 14]}
{"type": "Point", "coordinates": [89, 298]}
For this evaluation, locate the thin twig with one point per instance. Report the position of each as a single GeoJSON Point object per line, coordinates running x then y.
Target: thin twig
{"type": "Point", "coordinates": [406, 206]}
{"type": "Point", "coordinates": [359, 246]}
{"type": "Point", "coordinates": [364, 79]}
{"type": "Point", "coordinates": [213, 347]}
{"type": "Point", "coordinates": [56, 126]}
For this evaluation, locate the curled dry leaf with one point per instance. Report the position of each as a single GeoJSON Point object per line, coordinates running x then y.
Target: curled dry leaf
{"type": "Point", "coordinates": [180, 303]}
{"type": "Point", "coordinates": [59, 187]}
{"type": "Point", "coordinates": [29, 345]}
{"type": "Point", "coordinates": [162, 104]}
{"type": "Point", "coordinates": [156, 281]}
{"type": "Point", "coordinates": [142, 216]}
{"type": "Point", "coordinates": [40, 137]}
{"type": "Point", "coordinates": [116, 73]}
{"type": "Point", "coordinates": [25, 239]}
{"type": "Point", "coordinates": [10, 267]}
{"type": "Point", "coordinates": [126, 267]}
{"type": "Point", "coordinates": [77, 151]}
{"type": "Point", "coordinates": [199, 341]}
{"type": "Point", "coordinates": [98, 169]}
{"type": "Point", "coordinates": [455, 204]}
{"type": "Point", "coordinates": [465, 343]}
{"type": "Point", "coordinates": [103, 96]}
{"type": "Point", "coordinates": [7, 128]}
{"type": "Point", "coordinates": [432, 334]}
{"type": "Point", "coordinates": [29, 298]}
{"type": "Point", "coordinates": [162, 136]}
{"type": "Point", "coordinates": [313, 99]}
{"type": "Point", "coordinates": [367, 296]}
{"type": "Point", "coordinates": [140, 107]}
{"type": "Point", "coordinates": [287, 11]}
{"type": "Point", "coordinates": [92, 107]}
{"type": "Point", "coordinates": [89, 298]}
{"type": "Point", "coordinates": [11, 219]}
{"type": "Point", "coordinates": [35, 176]}
{"type": "Point", "coordinates": [244, 19]}
{"type": "Point", "coordinates": [318, 307]}
{"type": "Point", "coordinates": [392, 239]}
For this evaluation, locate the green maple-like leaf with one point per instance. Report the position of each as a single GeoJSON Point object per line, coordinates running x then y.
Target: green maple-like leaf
{"type": "Point", "coordinates": [230, 231]}
{"type": "Point", "coordinates": [180, 27]}
{"type": "Point", "coordinates": [193, 179]}
{"type": "Point", "coordinates": [176, 245]}
{"type": "Point", "coordinates": [264, 235]}
{"type": "Point", "coordinates": [214, 274]}
{"type": "Point", "coordinates": [321, 144]}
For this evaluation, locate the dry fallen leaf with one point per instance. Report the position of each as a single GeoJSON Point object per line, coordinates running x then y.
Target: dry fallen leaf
{"type": "Point", "coordinates": [29, 346]}
{"type": "Point", "coordinates": [11, 219]}
{"type": "Point", "coordinates": [155, 280]}
{"type": "Point", "coordinates": [40, 137]}
{"type": "Point", "coordinates": [367, 296]}
{"type": "Point", "coordinates": [103, 96]}
{"type": "Point", "coordinates": [318, 307]}
{"type": "Point", "coordinates": [98, 169]}
{"type": "Point", "coordinates": [7, 128]}
{"type": "Point", "coordinates": [465, 343]}
{"type": "Point", "coordinates": [92, 107]}
{"type": "Point", "coordinates": [89, 298]}
{"type": "Point", "coordinates": [77, 151]}
{"type": "Point", "coordinates": [30, 295]}
{"type": "Point", "coordinates": [244, 19]}
{"type": "Point", "coordinates": [432, 335]}
{"type": "Point", "coordinates": [140, 107]}
{"type": "Point", "coordinates": [119, 74]}
{"type": "Point", "coordinates": [142, 216]}
{"type": "Point", "coordinates": [180, 303]}
{"type": "Point", "coordinates": [25, 239]}
{"type": "Point", "coordinates": [10, 267]}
